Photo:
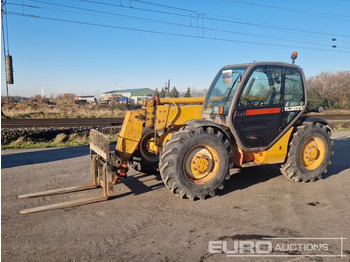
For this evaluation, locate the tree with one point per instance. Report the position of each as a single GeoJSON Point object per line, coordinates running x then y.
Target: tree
{"type": "Point", "coordinates": [188, 92]}
{"type": "Point", "coordinates": [174, 92]}
{"type": "Point", "coordinates": [162, 93]}
{"type": "Point", "coordinates": [330, 90]}
{"type": "Point", "coordinates": [198, 93]}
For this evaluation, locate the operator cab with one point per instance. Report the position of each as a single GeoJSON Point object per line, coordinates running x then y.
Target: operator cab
{"type": "Point", "coordinates": [259, 102]}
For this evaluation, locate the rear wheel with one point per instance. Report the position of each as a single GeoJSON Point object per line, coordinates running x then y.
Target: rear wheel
{"type": "Point", "coordinates": [309, 153]}
{"type": "Point", "coordinates": [195, 162]}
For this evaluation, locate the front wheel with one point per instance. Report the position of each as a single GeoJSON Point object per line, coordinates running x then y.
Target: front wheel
{"type": "Point", "coordinates": [195, 162]}
{"type": "Point", "coordinates": [144, 159]}
{"type": "Point", "coordinates": [309, 153]}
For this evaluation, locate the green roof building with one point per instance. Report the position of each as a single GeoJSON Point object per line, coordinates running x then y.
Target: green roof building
{"type": "Point", "coordinates": [134, 95]}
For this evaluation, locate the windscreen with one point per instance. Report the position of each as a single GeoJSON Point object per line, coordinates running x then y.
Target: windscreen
{"type": "Point", "coordinates": [223, 89]}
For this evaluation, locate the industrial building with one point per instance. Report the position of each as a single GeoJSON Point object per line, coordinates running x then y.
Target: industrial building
{"type": "Point", "coordinates": [132, 96]}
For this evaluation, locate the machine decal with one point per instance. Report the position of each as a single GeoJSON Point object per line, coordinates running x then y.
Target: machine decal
{"type": "Point", "coordinates": [263, 111]}
{"type": "Point", "coordinates": [293, 108]}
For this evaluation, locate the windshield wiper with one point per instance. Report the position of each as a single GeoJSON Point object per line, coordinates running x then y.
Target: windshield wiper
{"type": "Point", "coordinates": [229, 90]}
{"type": "Point", "coordinates": [226, 94]}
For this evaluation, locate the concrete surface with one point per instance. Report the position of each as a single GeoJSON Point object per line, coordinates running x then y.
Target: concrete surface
{"type": "Point", "coordinates": [145, 222]}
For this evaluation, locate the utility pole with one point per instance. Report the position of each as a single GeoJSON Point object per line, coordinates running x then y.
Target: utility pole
{"type": "Point", "coordinates": [8, 58]}
{"type": "Point", "coordinates": [168, 87]}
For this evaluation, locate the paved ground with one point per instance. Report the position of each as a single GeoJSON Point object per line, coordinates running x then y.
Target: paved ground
{"type": "Point", "coordinates": [145, 222]}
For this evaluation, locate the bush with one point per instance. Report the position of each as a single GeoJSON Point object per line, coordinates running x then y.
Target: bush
{"type": "Point", "coordinates": [330, 90]}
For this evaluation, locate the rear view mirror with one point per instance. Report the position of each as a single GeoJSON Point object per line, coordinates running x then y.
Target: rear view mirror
{"type": "Point", "coordinates": [227, 77]}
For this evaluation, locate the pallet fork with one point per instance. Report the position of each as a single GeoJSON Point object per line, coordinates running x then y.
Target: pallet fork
{"type": "Point", "coordinates": [101, 172]}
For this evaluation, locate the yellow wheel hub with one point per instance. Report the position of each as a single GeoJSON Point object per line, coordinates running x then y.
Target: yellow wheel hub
{"type": "Point", "coordinates": [151, 146]}
{"type": "Point", "coordinates": [312, 153]}
{"type": "Point", "coordinates": [201, 164]}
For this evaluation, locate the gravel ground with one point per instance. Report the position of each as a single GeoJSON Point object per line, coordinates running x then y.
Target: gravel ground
{"type": "Point", "coordinates": [145, 222]}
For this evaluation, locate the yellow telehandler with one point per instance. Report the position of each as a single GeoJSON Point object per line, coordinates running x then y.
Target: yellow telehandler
{"type": "Point", "coordinates": [253, 114]}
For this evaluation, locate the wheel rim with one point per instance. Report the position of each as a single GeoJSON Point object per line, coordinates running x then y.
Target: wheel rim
{"type": "Point", "coordinates": [312, 153]}
{"type": "Point", "coordinates": [146, 147]}
{"type": "Point", "coordinates": [201, 164]}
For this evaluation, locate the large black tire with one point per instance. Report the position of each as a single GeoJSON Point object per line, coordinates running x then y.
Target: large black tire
{"type": "Point", "coordinates": [143, 160]}
{"type": "Point", "coordinates": [309, 153]}
{"type": "Point", "coordinates": [195, 162]}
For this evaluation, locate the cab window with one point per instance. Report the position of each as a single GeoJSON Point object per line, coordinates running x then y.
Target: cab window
{"type": "Point", "coordinates": [262, 88]}
{"type": "Point", "coordinates": [293, 96]}
{"type": "Point", "coordinates": [293, 88]}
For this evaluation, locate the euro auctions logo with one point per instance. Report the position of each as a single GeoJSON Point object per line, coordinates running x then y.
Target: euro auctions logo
{"type": "Point", "coordinates": [279, 247]}
{"type": "Point", "coordinates": [240, 247]}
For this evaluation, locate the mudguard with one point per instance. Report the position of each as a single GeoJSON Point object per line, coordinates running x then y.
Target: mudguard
{"type": "Point", "coordinates": [203, 123]}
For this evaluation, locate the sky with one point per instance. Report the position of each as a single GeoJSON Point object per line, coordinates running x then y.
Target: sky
{"type": "Point", "coordinates": [88, 47]}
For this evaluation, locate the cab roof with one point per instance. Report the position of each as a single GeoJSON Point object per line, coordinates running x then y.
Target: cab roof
{"type": "Point", "coordinates": [262, 63]}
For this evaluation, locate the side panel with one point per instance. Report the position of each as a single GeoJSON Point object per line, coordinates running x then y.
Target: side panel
{"type": "Point", "coordinates": [278, 152]}
{"type": "Point", "coordinates": [167, 115]}
{"type": "Point", "coordinates": [275, 155]}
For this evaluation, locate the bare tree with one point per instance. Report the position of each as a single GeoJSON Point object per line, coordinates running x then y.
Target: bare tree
{"type": "Point", "coordinates": [198, 93]}
{"type": "Point", "coordinates": [330, 90]}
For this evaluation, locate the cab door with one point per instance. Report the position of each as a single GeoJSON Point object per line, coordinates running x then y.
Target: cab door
{"type": "Point", "coordinates": [257, 117]}
{"type": "Point", "coordinates": [269, 101]}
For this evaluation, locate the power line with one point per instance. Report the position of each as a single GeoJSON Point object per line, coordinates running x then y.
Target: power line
{"type": "Point", "coordinates": [198, 27]}
{"type": "Point", "coordinates": [176, 24]}
{"type": "Point", "coordinates": [214, 17]}
{"type": "Point", "coordinates": [165, 33]}
{"type": "Point", "coordinates": [321, 14]}
{"type": "Point", "coordinates": [318, 14]}
{"type": "Point", "coordinates": [134, 8]}
{"type": "Point", "coordinates": [206, 16]}
{"type": "Point", "coordinates": [169, 7]}
{"type": "Point", "coordinates": [23, 5]}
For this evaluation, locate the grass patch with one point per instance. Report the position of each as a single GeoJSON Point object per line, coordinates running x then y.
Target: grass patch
{"type": "Point", "coordinates": [67, 109]}
{"type": "Point", "coordinates": [341, 125]}
{"type": "Point", "coordinates": [29, 145]}
{"type": "Point", "coordinates": [18, 142]}
{"type": "Point", "coordinates": [61, 140]}
{"type": "Point", "coordinates": [330, 113]}
{"type": "Point", "coordinates": [335, 112]}
{"type": "Point", "coordinates": [342, 129]}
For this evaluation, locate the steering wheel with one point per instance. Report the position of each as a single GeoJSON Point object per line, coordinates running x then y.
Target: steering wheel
{"type": "Point", "coordinates": [248, 102]}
